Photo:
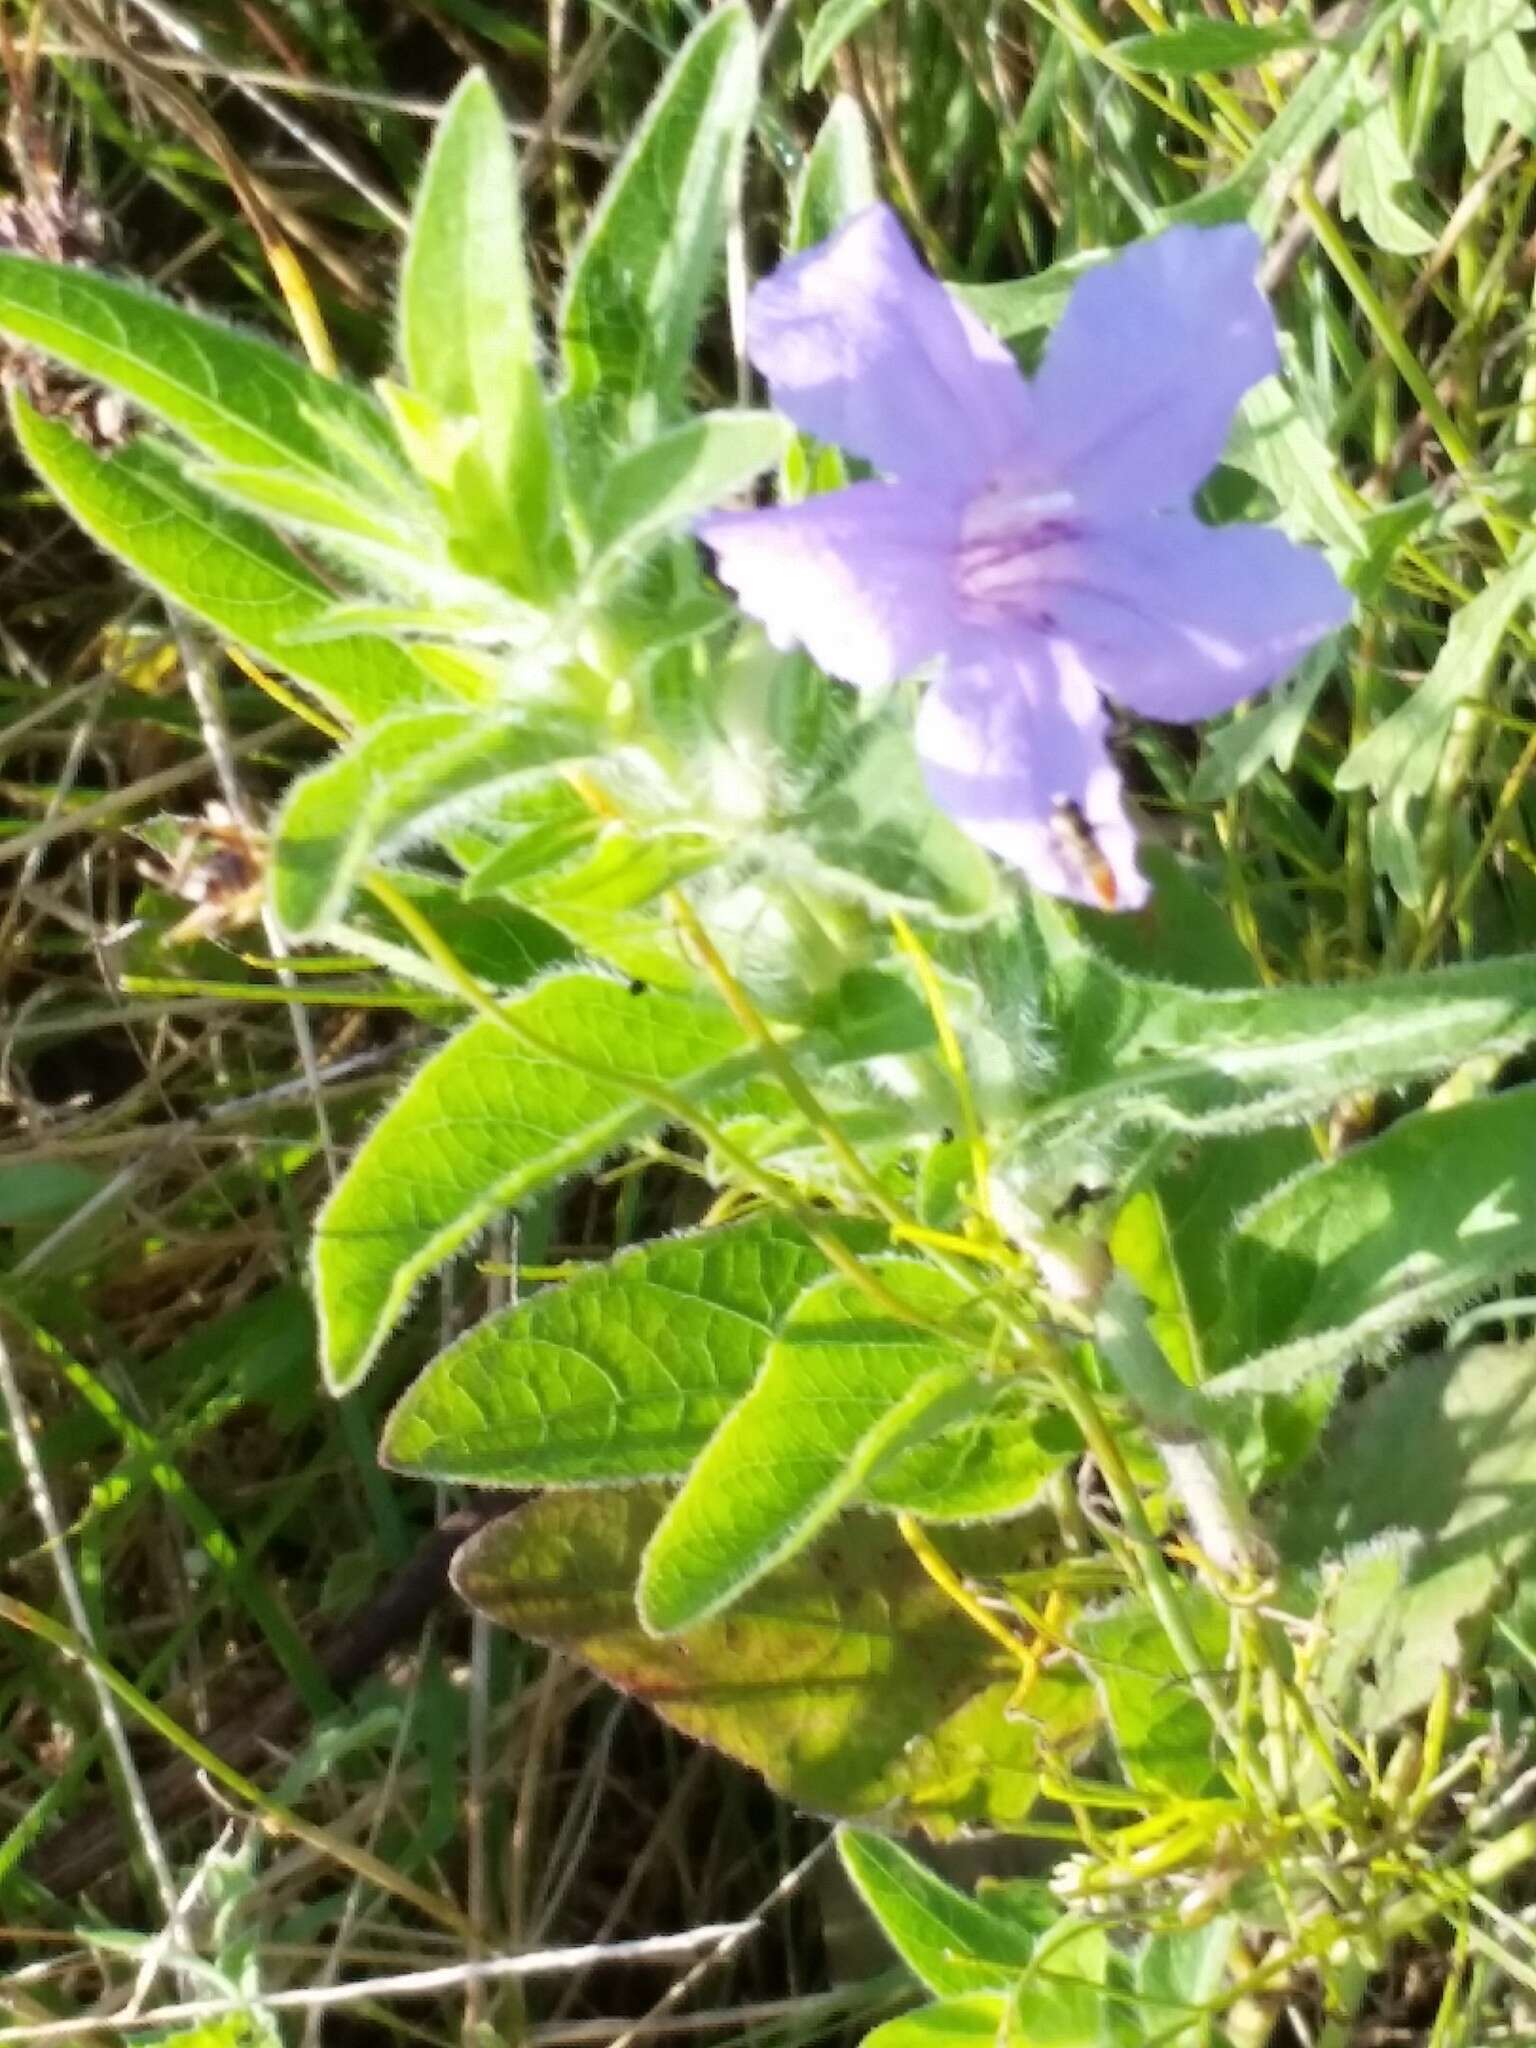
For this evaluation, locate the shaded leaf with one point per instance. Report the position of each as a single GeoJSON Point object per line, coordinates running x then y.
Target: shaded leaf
{"type": "Point", "coordinates": [876, 836]}
{"type": "Point", "coordinates": [502, 945]}
{"type": "Point", "coordinates": [867, 1014]}
{"type": "Point", "coordinates": [1162, 1733]}
{"type": "Point", "coordinates": [847, 1678]}
{"type": "Point", "coordinates": [1442, 1454]}
{"type": "Point", "coordinates": [953, 1943]}
{"type": "Point", "coordinates": [1398, 1231]}
{"type": "Point", "coordinates": [1025, 305]}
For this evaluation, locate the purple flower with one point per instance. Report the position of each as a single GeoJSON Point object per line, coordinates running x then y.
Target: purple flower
{"type": "Point", "coordinates": [1033, 538]}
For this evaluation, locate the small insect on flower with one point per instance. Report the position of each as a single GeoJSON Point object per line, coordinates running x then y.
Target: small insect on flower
{"type": "Point", "coordinates": [1080, 846]}
{"type": "Point", "coordinates": [220, 867]}
{"type": "Point", "coordinates": [1028, 547]}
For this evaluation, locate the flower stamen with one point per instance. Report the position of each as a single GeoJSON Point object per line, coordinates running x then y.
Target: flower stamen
{"type": "Point", "coordinates": [1012, 546]}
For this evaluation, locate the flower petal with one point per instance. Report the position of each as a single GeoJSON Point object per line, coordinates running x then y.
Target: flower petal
{"type": "Point", "coordinates": [1141, 376]}
{"type": "Point", "coordinates": [1019, 761]}
{"type": "Point", "coordinates": [864, 348]}
{"type": "Point", "coordinates": [1178, 621]}
{"type": "Point", "coordinates": [861, 578]}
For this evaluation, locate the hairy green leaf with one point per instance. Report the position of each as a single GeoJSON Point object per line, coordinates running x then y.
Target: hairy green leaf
{"type": "Point", "coordinates": [652, 244]}
{"type": "Point", "coordinates": [658, 488]}
{"type": "Point", "coordinates": [845, 1387]}
{"type": "Point", "coordinates": [238, 399]}
{"type": "Point", "coordinates": [315, 505]}
{"type": "Point", "coordinates": [486, 1122]}
{"type": "Point", "coordinates": [837, 179]}
{"type": "Point", "coordinates": [221, 564]}
{"type": "Point", "coordinates": [1142, 1056]}
{"type": "Point", "coordinates": [467, 329]}
{"type": "Point", "coordinates": [402, 779]}
{"type": "Point", "coordinates": [620, 1374]}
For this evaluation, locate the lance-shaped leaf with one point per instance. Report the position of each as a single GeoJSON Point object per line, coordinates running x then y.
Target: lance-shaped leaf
{"type": "Point", "coordinates": [621, 1374]}
{"type": "Point", "coordinates": [835, 22]}
{"type": "Point", "coordinates": [652, 245]}
{"type": "Point", "coordinates": [338, 518]}
{"type": "Point", "coordinates": [467, 326]}
{"type": "Point", "coordinates": [837, 179]}
{"type": "Point", "coordinates": [238, 399]}
{"type": "Point", "coordinates": [658, 488]}
{"type": "Point", "coordinates": [1401, 757]}
{"type": "Point", "coordinates": [403, 778]}
{"type": "Point", "coordinates": [488, 1120]}
{"type": "Point", "coordinates": [847, 1385]}
{"type": "Point", "coordinates": [1401, 1230]}
{"type": "Point", "coordinates": [221, 564]}
{"type": "Point", "coordinates": [953, 1943]}
{"type": "Point", "coordinates": [847, 1678]}
{"type": "Point", "coordinates": [1140, 1055]}
{"type": "Point", "coordinates": [1209, 46]}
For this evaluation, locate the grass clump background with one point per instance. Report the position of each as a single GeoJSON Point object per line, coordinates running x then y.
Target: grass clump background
{"type": "Point", "coordinates": [251, 1749]}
